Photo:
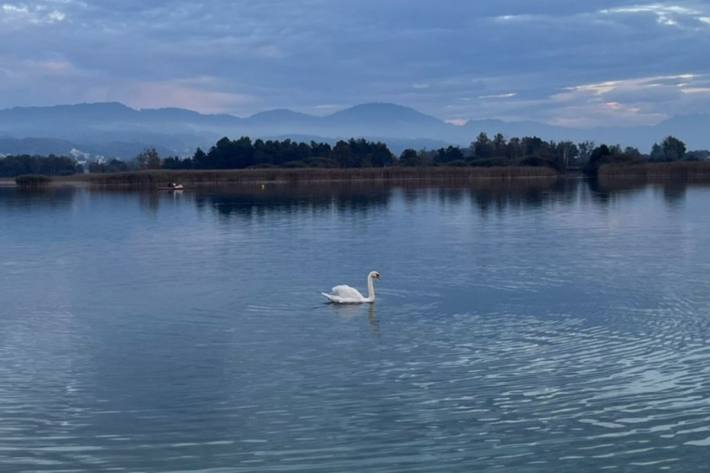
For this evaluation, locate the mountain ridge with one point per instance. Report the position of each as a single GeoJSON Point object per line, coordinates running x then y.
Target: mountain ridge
{"type": "Point", "coordinates": [91, 126]}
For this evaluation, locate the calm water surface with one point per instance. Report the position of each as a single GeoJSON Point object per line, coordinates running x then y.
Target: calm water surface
{"type": "Point", "coordinates": [535, 328]}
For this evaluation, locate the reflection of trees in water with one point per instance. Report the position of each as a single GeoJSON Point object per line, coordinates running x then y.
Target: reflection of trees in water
{"type": "Point", "coordinates": [451, 195]}
{"type": "Point", "coordinates": [149, 201]}
{"type": "Point", "coordinates": [27, 199]}
{"type": "Point", "coordinates": [524, 194]}
{"type": "Point", "coordinates": [608, 190]}
{"type": "Point", "coordinates": [493, 195]}
{"type": "Point", "coordinates": [257, 201]}
{"type": "Point", "coordinates": [604, 192]}
{"type": "Point", "coordinates": [347, 198]}
{"type": "Point", "coordinates": [360, 198]}
{"type": "Point", "coordinates": [501, 196]}
{"type": "Point", "coordinates": [674, 193]}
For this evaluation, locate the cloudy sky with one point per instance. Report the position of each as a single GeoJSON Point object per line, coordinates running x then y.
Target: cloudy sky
{"type": "Point", "coordinates": [559, 61]}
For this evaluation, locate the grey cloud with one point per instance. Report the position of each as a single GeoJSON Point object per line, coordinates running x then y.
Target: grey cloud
{"type": "Point", "coordinates": [248, 55]}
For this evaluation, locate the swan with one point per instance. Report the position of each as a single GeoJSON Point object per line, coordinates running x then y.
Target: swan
{"type": "Point", "coordinates": [350, 295]}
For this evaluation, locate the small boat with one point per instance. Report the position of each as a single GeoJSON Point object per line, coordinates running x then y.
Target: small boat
{"type": "Point", "coordinates": [172, 187]}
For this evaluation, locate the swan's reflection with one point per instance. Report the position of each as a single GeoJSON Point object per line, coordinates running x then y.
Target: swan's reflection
{"type": "Point", "coordinates": [351, 311]}
{"type": "Point", "coordinates": [372, 320]}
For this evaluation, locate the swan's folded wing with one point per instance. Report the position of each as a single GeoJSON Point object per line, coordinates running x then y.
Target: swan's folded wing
{"type": "Point", "coordinates": [346, 292]}
{"type": "Point", "coordinates": [332, 298]}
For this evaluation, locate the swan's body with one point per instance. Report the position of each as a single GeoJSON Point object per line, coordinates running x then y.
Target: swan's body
{"type": "Point", "coordinates": [349, 295]}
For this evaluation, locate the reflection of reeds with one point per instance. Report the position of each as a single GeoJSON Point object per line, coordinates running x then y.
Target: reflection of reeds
{"type": "Point", "coordinates": [32, 180]}
{"type": "Point", "coordinates": [159, 177]}
{"type": "Point", "coordinates": [686, 170]}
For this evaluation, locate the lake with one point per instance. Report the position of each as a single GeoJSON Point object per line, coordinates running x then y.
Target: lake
{"type": "Point", "coordinates": [530, 327]}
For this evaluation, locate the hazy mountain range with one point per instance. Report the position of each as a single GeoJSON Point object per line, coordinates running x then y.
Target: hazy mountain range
{"type": "Point", "coordinates": [115, 130]}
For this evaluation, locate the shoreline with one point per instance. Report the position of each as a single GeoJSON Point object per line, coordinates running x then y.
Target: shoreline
{"type": "Point", "coordinates": [204, 178]}
{"type": "Point", "coordinates": [692, 171]}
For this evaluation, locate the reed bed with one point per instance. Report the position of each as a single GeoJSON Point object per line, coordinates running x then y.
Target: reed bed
{"type": "Point", "coordinates": [694, 171]}
{"type": "Point", "coordinates": [222, 177]}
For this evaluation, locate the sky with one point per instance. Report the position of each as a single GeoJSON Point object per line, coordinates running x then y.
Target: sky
{"type": "Point", "coordinates": [584, 64]}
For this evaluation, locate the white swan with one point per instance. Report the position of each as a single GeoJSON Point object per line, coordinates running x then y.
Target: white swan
{"type": "Point", "coordinates": [349, 295]}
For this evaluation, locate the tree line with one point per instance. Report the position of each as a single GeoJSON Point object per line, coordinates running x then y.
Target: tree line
{"type": "Point", "coordinates": [361, 153]}
{"type": "Point", "coordinates": [245, 153]}
{"type": "Point", "coordinates": [483, 151]}
{"type": "Point", "coordinates": [13, 166]}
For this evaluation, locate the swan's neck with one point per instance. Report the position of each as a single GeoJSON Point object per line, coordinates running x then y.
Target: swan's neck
{"type": "Point", "coordinates": [370, 289]}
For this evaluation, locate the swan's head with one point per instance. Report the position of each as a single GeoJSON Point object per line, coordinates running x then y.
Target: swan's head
{"type": "Point", "coordinates": [374, 275]}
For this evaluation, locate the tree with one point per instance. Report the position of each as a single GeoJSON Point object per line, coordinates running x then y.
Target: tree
{"type": "Point", "coordinates": [534, 147]}
{"type": "Point", "coordinates": [633, 153]}
{"type": "Point", "coordinates": [342, 154]}
{"type": "Point", "coordinates": [657, 153]}
{"type": "Point", "coordinates": [514, 150]}
{"type": "Point", "coordinates": [599, 156]}
{"type": "Point", "coordinates": [427, 157]}
{"type": "Point", "coordinates": [148, 159]}
{"type": "Point", "coordinates": [499, 145]}
{"type": "Point", "coordinates": [698, 155]}
{"type": "Point", "coordinates": [199, 159]}
{"type": "Point", "coordinates": [611, 155]}
{"type": "Point", "coordinates": [483, 147]}
{"type": "Point", "coordinates": [381, 155]}
{"type": "Point", "coordinates": [585, 150]}
{"type": "Point", "coordinates": [448, 155]}
{"type": "Point", "coordinates": [409, 157]}
{"type": "Point", "coordinates": [13, 166]}
{"type": "Point", "coordinates": [175, 162]}
{"type": "Point", "coordinates": [565, 151]}
{"type": "Point", "coordinates": [673, 149]}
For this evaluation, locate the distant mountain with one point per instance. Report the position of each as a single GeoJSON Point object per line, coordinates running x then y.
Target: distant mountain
{"type": "Point", "coordinates": [47, 146]}
{"type": "Point", "coordinates": [281, 121]}
{"type": "Point", "coordinates": [36, 146]}
{"type": "Point", "coordinates": [115, 130]}
{"type": "Point", "coordinates": [281, 115]}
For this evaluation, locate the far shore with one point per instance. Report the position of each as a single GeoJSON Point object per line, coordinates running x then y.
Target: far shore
{"type": "Point", "coordinates": [698, 171]}
{"type": "Point", "coordinates": [203, 178]}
